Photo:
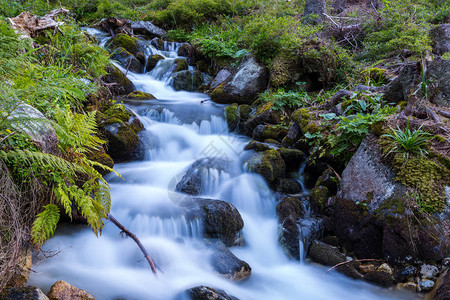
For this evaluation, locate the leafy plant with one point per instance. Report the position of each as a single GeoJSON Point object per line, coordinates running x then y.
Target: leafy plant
{"type": "Point", "coordinates": [364, 102]}
{"type": "Point", "coordinates": [282, 100]}
{"type": "Point", "coordinates": [408, 142]}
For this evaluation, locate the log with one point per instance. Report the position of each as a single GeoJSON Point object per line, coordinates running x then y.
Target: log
{"type": "Point", "coordinates": [136, 240]}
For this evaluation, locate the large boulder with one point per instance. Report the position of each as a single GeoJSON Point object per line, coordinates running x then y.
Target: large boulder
{"type": "Point", "coordinates": [33, 123]}
{"type": "Point", "coordinates": [270, 165]}
{"type": "Point", "coordinates": [243, 87]}
{"type": "Point", "coordinates": [131, 44]}
{"type": "Point", "coordinates": [187, 80]}
{"type": "Point", "coordinates": [265, 114]}
{"type": "Point", "coordinates": [372, 213]}
{"type": "Point", "coordinates": [222, 77]}
{"type": "Point", "coordinates": [118, 83]}
{"type": "Point", "coordinates": [28, 293]}
{"type": "Point", "coordinates": [152, 61]}
{"type": "Point", "coordinates": [220, 219]}
{"type": "Point", "coordinates": [227, 264]}
{"type": "Point", "coordinates": [325, 254]}
{"type": "Point", "coordinates": [127, 60]}
{"type": "Point", "coordinates": [438, 74]}
{"type": "Point", "coordinates": [441, 38]}
{"type": "Point", "coordinates": [202, 292]}
{"type": "Point", "coordinates": [62, 290]}
{"type": "Point", "coordinates": [148, 29]}
{"type": "Point", "coordinates": [404, 85]}
{"type": "Point", "coordinates": [120, 127]}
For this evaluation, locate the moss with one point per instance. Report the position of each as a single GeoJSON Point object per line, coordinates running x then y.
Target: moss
{"type": "Point", "coordinates": [140, 95]}
{"type": "Point", "coordinates": [273, 132]}
{"type": "Point", "coordinates": [311, 128]}
{"type": "Point", "coordinates": [272, 166]}
{"type": "Point", "coordinates": [116, 114]}
{"type": "Point", "coordinates": [396, 206]}
{"type": "Point", "coordinates": [281, 69]}
{"type": "Point", "coordinates": [272, 141]}
{"type": "Point", "coordinates": [125, 41]}
{"type": "Point", "coordinates": [152, 61]}
{"type": "Point", "coordinates": [180, 64]}
{"type": "Point", "coordinates": [377, 127]}
{"type": "Point", "coordinates": [427, 176]}
{"type": "Point", "coordinates": [301, 117]}
{"type": "Point", "coordinates": [231, 115]}
{"type": "Point", "coordinates": [402, 104]}
{"type": "Point", "coordinates": [244, 111]}
{"type": "Point", "coordinates": [440, 138]}
{"type": "Point", "coordinates": [319, 197]}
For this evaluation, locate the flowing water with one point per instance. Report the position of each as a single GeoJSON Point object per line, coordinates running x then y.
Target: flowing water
{"type": "Point", "coordinates": [180, 128]}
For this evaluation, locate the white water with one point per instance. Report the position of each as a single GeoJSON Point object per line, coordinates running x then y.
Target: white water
{"type": "Point", "coordinates": [183, 130]}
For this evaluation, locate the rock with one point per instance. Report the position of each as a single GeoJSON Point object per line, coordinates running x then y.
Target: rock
{"type": "Point", "coordinates": [186, 50]}
{"type": "Point", "coordinates": [379, 278]}
{"type": "Point", "coordinates": [428, 271]}
{"type": "Point", "coordinates": [314, 10]}
{"type": "Point", "coordinates": [202, 292]}
{"type": "Point", "coordinates": [187, 80]}
{"type": "Point", "coordinates": [264, 132]}
{"type": "Point", "coordinates": [192, 182]}
{"type": "Point", "coordinates": [158, 43]}
{"type": "Point", "coordinates": [366, 268]}
{"type": "Point", "coordinates": [437, 75]}
{"type": "Point", "coordinates": [245, 111]}
{"type": "Point", "coordinates": [442, 291]}
{"type": "Point", "coordinates": [293, 158]}
{"type": "Point", "coordinates": [152, 61]}
{"type": "Point", "coordinates": [325, 254]}
{"type": "Point", "coordinates": [257, 146]}
{"type": "Point", "coordinates": [119, 83]}
{"type": "Point", "coordinates": [221, 220]}
{"type": "Point", "coordinates": [25, 293]}
{"type": "Point", "coordinates": [425, 285]}
{"type": "Point", "coordinates": [271, 166]}
{"type": "Point", "coordinates": [264, 115]}
{"type": "Point", "coordinates": [223, 76]}
{"type": "Point", "coordinates": [446, 262]}
{"type": "Point", "coordinates": [127, 60]}
{"type": "Point", "coordinates": [227, 264]}
{"type": "Point", "coordinates": [404, 273]}
{"type": "Point", "coordinates": [130, 44]}
{"type": "Point", "coordinates": [148, 29]}
{"type": "Point", "coordinates": [138, 95]}
{"type": "Point", "coordinates": [441, 38]}
{"type": "Point", "coordinates": [385, 268]}
{"type": "Point", "coordinates": [409, 286]}
{"type": "Point", "coordinates": [244, 86]}
{"type": "Point", "coordinates": [318, 198]}
{"type": "Point", "coordinates": [403, 85]}
{"type": "Point", "coordinates": [293, 135]}
{"type": "Point", "coordinates": [313, 170]}
{"type": "Point", "coordinates": [37, 127]}
{"type": "Point", "coordinates": [232, 116]}
{"type": "Point", "coordinates": [120, 127]}
{"type": "Point", "coordinates": [289, 186]}
{"type": "Point", "coordinates": [329, 180]}
{"type": "Point", "coordinates": [100, 156]}
{"type": "Point", "coordinates": [289, 211]}
{"type": "Point", "coordinates": [180, 64]}
{"type": "Point", "coordinates": [62, 290]}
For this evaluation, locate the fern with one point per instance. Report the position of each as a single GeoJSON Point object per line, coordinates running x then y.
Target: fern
{"type": "Point", "coordinates": [45, 224]}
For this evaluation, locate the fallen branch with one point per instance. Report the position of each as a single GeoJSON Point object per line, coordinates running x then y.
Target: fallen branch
{"type": "Point", "coordinates": [444, 113]}
{"type": "Point", "coordinates": [355, 260]}
{"type": "Point", "coordinates": [137, 241]}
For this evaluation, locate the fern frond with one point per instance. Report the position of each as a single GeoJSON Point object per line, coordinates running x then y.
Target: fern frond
{"type": "Point", "coordinates": [45, 224]}
{"type": "Point", "coordinates": [63, 197]}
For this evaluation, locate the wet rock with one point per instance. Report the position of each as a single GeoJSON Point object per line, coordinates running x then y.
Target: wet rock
{"type": "Point", "coordinates": [148, 29]}
{"type": "Point", "coordinates": [37, 127]}
{"type": "Point", "coordinates": [265, 132]}
{"type": "Point", "coordinates": [227, 264]}
{"type": "Point", "coordinates": [366, 268]}
{"type": "Point", "coordinates": [425, 285]}
{"type": "Point", "coordinates": [127, 60]}
{"type": "Point", "coordinates": [329, 180]}
{"type": "Point", "coordinates": [62, 290]}
{"type": "Point", "coordinates": [314, 10]}
{"type": "Point", "coordinates": [379, 278]}
{"type": "Point", "coordinates": [120, 127]}
{"type": "Point", "coordinates": [114, 25]}
{"type": "Point", "coordinates": [318, 198]}
{"type": "Point", "coordinates": [441, 38]}
{"type": "Point", "coordinates": [293, 158]}
{"type": "Point", "coordinates": [442, 291]}
{"type": "Point", "coordinates": [289, 211]}
{"type": "Point", "coordinates": [180, 64]}
{"type": "Point", "coordinates": [158, 44]}
{"type": "Point", "coordinates": [187, 80]}
{"type": "Point", "coordinates": [263, 116]}
{"type": "Point", "coordinates": [408, 286]}
{"type": "Point", "coordinates": [221, 78]}
{"type": "Point", "coordinates": [245, 111]}
{"type": "Point", "coordinates": [437, 75]}
{"type": "Point", "coordinates": [257, 146]}
{"type": "Point", "coordinates": [293, 135]}
{"type": "Point", "coordinates": [289, 186]}
{"type": "Point", "coordinates": [186, 50]}
{"type": "Point", "coordinates": [404, 273]}
{"type": "Point", "coordinates": [244, 86]}
{"type": "Point", "coordinates": [325, 254]}
{"type": "Point", "coordinates": [119, 83]}
{"type": "Point", "coordinates": [385, 268]}
{"type": "Point", "coordinates": [130, 44]}
{"type": "Point", "coordinates": [428, 271]}
{"type": "Point", "coordinates": [220, 219]}
{"type": "Point", "coordinates": [138, 95]}
{"type": "Point", "coordinates": [202, 292]}
{"type": "Point", "coordinates": [100, 156]}
{"type": "Point", "coordinates": [232, 116]}
{"type": "Point", "coordinates": [271, 166]}
{"type": "Point", "coordinates": [152, 61]}
{"type": "Point", "coordinates": [192, 182]}
{"type": "Point", "coordinates": [25, 293]}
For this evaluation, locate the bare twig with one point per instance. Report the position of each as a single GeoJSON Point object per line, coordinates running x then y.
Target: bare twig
{"type": "Point", "coordinates": [355, 260]}
{"type": "Point", "coordinates": [136, 240]}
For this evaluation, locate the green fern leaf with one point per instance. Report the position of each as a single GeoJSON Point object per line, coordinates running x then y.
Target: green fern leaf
{"type": "Point", "coordinates": [45, 224]}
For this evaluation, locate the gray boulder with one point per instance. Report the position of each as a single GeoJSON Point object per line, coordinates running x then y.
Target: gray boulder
{"type": "Point", "coordinates": [438, 79]}
{"type": "Point", "coordinates": [404, 85]}
{"type": "Point", "coordinates": [243, 87]}
{"type": "Point", "coordinates": [28, 293]}
{"type": "Point", "coordinates": [127, 60]}
{"type": "Point", "coordinates": [147, 28]}
{"type": "Point", "coordinates": [221, 77]}
{"type": "Point", "coordinates": [441, 38]}
{"type": "Point", "coordinates": [187, 80]}
{"type": "Point", "coordinates": [227, 264]}
{"type": "Point", "coordinates": [325, 254]}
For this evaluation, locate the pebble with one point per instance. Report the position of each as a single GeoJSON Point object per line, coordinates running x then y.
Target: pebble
{"type": "Point", "coordinates": [405, 273]}
{"type": "Point", "coordinates": [366, 268]}
{"type": "Point", "coordinates": [409, 286]}
{"type": "Point", "coordinates": [385, 268]}
{"type": "Point", "coordinates": [428, 271]}
{"type": "Point", "coordinates": [426, 285]}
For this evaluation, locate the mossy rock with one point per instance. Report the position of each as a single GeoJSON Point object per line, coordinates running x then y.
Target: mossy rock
{"type": "Point", "coordinates": [232, 117]}
{"type": "Point", "coordinates": [138, 95]}
{"type": "Point", "coordinates": [100, 156]}
{"type": "Point", "coordinates": [180, 64]}
{"type": "Point", "coordinates": [152, 61]}
{"type": "Point", "coordinates": [289, 186]}
{"type": "Point", "coordinates": [127, 60]}
{"type": "Point", "coordinates": [117, 113]}
{"type": "Point", "coordinates": [282, 70]}
{"type": "Point", "coordinates": [272, 167]}
{"type": "Point", "coordinates": [292, 157]}
{"type": "Point", "coordinates": [257, 146]}
{"type": "Point", "coordinates": [245, 111]}
{"type": "Point", "coordinates": [301, 117]}
{"type": "Point", "coordinates": [274, 132]}
{"type": "Point", "coordinates": [318, 198]}
{"type": "Point", "coordinates": [329, 180]}
{"type": "Point", "coordinates": [187, 80]}
{"type": "Point", "coordinates": [131, 44]}
{"type": "Point", "coordinates": [121, 84]}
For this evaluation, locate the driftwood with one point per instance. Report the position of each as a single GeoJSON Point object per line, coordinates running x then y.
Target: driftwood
{"type": "Point", "coordinates": [136, 240]}
{"type": "Point", "coordinates": [31, 25]}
